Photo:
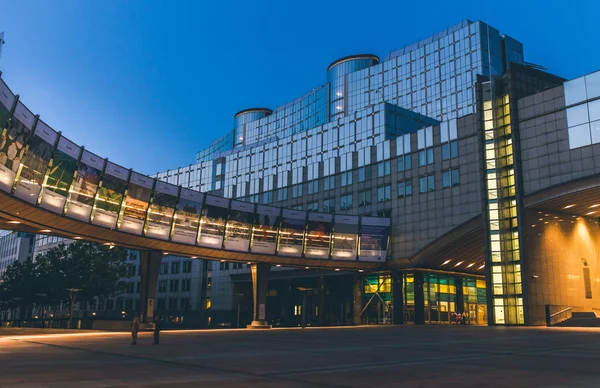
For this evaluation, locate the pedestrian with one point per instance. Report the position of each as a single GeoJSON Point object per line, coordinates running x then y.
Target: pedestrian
{"type": "Point", "coordinates": [158, 325]}
{"type": "Point", "coordinates": [458, 318]}
{"type": "Point", "coordinates": [135, 328]}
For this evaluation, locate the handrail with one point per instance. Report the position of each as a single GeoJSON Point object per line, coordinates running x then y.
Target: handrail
{"type": "Point", "coordinates": [560, 312]}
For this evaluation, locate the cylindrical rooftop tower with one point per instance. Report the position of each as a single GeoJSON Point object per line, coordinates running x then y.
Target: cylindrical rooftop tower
{"type": "Point", "coordinates": [338, 81]}
{"type": "Point", "coordinates": [243, 117]}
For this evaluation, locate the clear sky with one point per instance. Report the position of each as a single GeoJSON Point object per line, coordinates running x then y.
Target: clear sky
{"type": "Point", "coordinates": [149, 83]}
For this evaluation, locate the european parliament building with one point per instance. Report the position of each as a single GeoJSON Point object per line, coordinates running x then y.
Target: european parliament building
{"type": "Point", "coordinates": [470, 150]}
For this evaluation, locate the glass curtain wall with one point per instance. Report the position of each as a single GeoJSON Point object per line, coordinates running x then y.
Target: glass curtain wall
{"type": "Point", "coordinates": [242, 218]}
{"type": "Point", "coordinates": [187, 216]}
{"type": "Point", "coordinates": [377, 299]}
{"type": "Point", "coordinates": [61, 173]}
{"type": "Point", "coordinates": [345, 238]}
{"type": "Point", "coordinates": [135, 206]}
{"type": "Point", "coordinates": [85, 185]}
{"type": "Point", "coordinates": [502, 217]}
{"type": "Point", "coordinates": [162, 208]}
{"type": "Point", "coordinates": [13, 139]}
{"type": "Point", "coordinates": [264, 236]}
{"type": "Point", "coordinates": [291, 233]}
{"type": "Point", "coordinates": [212, 224]}
{"type": "Point", "coordinates": [109, 198]}
{"type": "Point", "coordinates": [35, 163]}
{"type": "Point", "coordinates": [318, 235]}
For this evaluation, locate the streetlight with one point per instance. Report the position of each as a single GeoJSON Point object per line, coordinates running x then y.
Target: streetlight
{"type": "Point", "coordinates": [304, 290]}
{"type": "Point", "coordinates": [72, 295]}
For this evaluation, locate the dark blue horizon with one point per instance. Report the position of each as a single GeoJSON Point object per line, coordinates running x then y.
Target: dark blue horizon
{"type": "Point", "coordinates": [148, 84]}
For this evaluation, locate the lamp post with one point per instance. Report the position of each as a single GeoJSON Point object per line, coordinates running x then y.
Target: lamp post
{"type": "Point", "coordinates": [304, 290]}
{"type": "Point", "coordinates": [72, 295]}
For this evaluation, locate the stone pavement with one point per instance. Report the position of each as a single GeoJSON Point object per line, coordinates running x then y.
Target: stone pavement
{"type": "Point", "coordinates": [388, 356]}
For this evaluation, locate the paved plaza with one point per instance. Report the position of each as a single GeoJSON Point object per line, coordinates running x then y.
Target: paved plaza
{"type": "Point", "coordinates": [393, 356]}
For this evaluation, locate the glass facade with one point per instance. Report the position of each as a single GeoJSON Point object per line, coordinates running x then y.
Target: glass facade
{"type": "Point", "coordinates": [504, 258]}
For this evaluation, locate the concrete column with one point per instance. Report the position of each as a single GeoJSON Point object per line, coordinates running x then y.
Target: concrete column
{"type": "Point", "coordinates": [149, 270]}
{"type": "Point", "coordinates": [358, 302]}
{"type": "Point", "coordinates": [419, 299]}
{"type": "Point", "coordinates": [260, 286]}
{"type": "Point", "coordinates": [321, 295]}
{"type": "Point", "coordinates": [397, 298]}
{"type": "Point", "coordinates": [460, 296]}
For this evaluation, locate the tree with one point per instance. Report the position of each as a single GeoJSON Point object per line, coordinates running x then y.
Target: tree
{"type": "Point", "coordinates": [95, 270]}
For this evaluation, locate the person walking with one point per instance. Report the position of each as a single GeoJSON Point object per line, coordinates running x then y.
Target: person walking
{"type": "Point", "coordinates": [158, 325]}
{"type": "Point", "coordinates": [135, 328]}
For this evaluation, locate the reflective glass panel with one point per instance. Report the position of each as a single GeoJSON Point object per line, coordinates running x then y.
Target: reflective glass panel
{"type": "Point", "coordinates": [579, 136]}
{"type": "Point", "coordinates": [162, 208]}
{"type": "Point", "coordinates": [110, 196]}
{"type": "Point", "coordinates": [212, 224]}
{"type": "Point", "coordinates": [60, 176]}
{"type": "Point", "coordinates": [85, 185]}
{"type": "Point", "coordinates": [187, 216]}
{"type": "Point", "coordinates": [318, 236]}
{"type": "Point", "coordinates": [239, 227]}
{"type": "Point", "coordinates": [345, 238]}
{"type": "Point", "coordinates": [291, 234]}
{"type": "Point", "coordinates": [135, 207]}
{"type": "Point", "coordinates": [35, 163]}
{"type": "Point", "coordinates": [12, 145]}
{"type": "Point", "coordinates": [264, 239]}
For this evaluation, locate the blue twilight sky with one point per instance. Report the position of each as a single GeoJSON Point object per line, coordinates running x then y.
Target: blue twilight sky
{"type": "Point", "coordinates": [148, 83]}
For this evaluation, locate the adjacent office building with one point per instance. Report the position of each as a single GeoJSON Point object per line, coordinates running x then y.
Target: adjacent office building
{"type": "Point", "coordinates": [457, 139]}
{"type": "Point", "coordinates": [15, 246]}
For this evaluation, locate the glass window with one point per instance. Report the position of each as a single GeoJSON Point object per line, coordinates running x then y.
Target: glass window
{"type": "Point", "coordinates": [364, 198]}
{"type": "Point", "coordinates": [175, 267]}
{"type": "Point", "coordinates": [422, 158]}
{"type": "Point", "coordinates": [313, 187]}
{"type": "Point", "coordinates": [282, 194]}
{"type": "Point", "coordinates": [405, 188]}
{"type": "Point", "coordinates": [429, 155]}
{"type": "Point", "coordinates": [383, 168]}
{"type": "Point", "coordinates": [346, 202]}
{"type": "Point", "coordinates": [577, 115]}
{"type": "Point", "coordinates": [594, 109]}
{"type": "Point", "coordinates": [454, 149]}
{"type": "Point", "coordinates": [346, 178]}
{"type": "Point", "coordinates": [383, 193]}
{"type": "Point", "coordinates": [579, 136]}
{"type": "Point", "coordinates": [446, 179]}
{"type": "Point", "coordinates": [404, 163]}
{"type": "Point", "coordinates": [445, 151]}
{"type": "Point", "coordinates": [592, 85]}
{"type": "Point", "coordinates": [422, 184]}
{"type": "Point", "coordinates": [297, 191]}
{"type": "Point", "coordinates": [430, 182]}
{"type": "Point", "coordinates": [329, 183]}
{"type": "Point", "coordinates": [361, 174]}
{"type": "Point", "coordinates": [329, 205]}
{"type": "Point", "coordinates": [595, 129]}
{"type": "Point", "coordinates": [313, 206]}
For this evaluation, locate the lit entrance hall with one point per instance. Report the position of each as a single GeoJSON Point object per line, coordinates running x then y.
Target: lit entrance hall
{"type": "Point", "coordinates": [306, 297]}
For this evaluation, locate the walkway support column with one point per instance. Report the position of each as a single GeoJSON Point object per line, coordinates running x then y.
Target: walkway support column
{"type": "Point", "coordinates": [321, 295]}
{"type": "Point", "coordinates": [149, 270]}
{"type": "Point", "coordinates": [397, 298]}
{"type": "Point", "coordinates": [419, 299]}
{"type": "Point", "coordinates": [358, 299]}
{"type": "Point", "coordinates": [260, 286]}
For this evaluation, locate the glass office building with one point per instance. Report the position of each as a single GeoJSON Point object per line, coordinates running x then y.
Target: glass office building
{"type": "Point", "coordinates": [381, 135]}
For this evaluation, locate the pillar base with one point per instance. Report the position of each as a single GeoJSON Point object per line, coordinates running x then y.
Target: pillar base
{"type": "Point", "coordinates": [257, 325]}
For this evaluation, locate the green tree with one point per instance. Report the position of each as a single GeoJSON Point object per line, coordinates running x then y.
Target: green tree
{"type": "Point", "coordinates": [95, 270]}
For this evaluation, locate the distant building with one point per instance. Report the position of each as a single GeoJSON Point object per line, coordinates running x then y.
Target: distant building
{"type": "Point", "coordinates": [15, 246]}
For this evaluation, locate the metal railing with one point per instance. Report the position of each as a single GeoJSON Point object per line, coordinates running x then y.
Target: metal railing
{"type": "Point", "coordinates": [552, 318]}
